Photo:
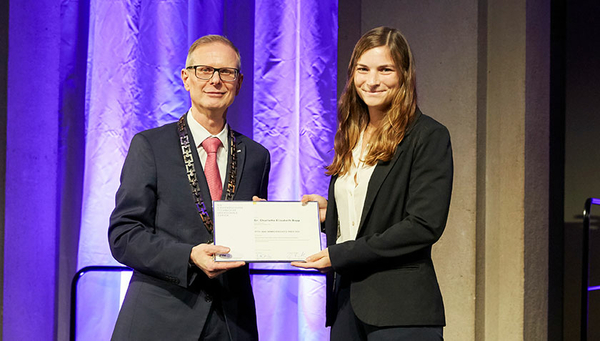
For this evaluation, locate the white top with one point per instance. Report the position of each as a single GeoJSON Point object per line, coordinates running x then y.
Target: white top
{"type": "Point", "coordinates": [199, 133]}
{"type": "Point", "coordinates": [350, 192]}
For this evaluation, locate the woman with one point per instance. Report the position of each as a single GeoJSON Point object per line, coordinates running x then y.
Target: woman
{"type": "Point", "coordinates": [391, 180]}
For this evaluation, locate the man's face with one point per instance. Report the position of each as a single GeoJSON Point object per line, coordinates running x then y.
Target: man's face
{"type": "Point", "coordinates": [212, 96]}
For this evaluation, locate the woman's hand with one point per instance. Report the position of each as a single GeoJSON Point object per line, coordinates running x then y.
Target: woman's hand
{"type": "Point", "coordinates": [320, 200]}
{"type": "Point", "coordinates": [319, 261]}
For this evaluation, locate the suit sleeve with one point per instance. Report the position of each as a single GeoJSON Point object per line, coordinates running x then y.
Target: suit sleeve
{"type": "Point", "coordinates": [132, 237]}
{"type": "Point", "coordinates": [427, 204]}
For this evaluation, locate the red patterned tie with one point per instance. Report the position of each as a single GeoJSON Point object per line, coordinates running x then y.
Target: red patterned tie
{"type": "Point", "coordinates": [211, 169]}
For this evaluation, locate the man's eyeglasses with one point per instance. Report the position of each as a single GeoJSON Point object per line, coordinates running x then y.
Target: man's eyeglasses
{"type": "Point", "coordinates": [205, 72]}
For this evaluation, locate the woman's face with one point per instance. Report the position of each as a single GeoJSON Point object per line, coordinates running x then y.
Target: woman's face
{"type": "Point", "coordinates": [376, 78]}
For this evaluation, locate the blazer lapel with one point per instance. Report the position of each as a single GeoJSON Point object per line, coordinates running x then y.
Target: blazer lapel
{"type": "Point", "coordinates": [241, 158]}
{"type": "Point", "coordinates": [380, 173]}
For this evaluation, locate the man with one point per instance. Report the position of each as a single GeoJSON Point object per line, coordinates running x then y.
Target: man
{"type": "Point", "coordinates": [162, 227]}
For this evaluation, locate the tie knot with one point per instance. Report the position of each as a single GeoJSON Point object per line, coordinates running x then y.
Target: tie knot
{"type": "Point", "coordinates": [211, 144]}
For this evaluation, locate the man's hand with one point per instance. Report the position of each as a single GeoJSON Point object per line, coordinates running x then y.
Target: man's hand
{"type": "Point", "coordinates": [319, 261]}
{"type": "Point", "coordinates": [320, 200]}
{"type": "Point", "coordinates": [203, 257]}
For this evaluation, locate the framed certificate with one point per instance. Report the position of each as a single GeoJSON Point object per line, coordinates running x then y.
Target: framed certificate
{"type": "Point", "coordinates": [267, 231]}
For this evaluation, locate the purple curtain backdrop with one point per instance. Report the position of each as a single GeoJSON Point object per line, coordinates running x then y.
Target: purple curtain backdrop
{"type": "Point", "coordinates": [112, 69]}
{"type": "Point", "coordinates": [32, 174]}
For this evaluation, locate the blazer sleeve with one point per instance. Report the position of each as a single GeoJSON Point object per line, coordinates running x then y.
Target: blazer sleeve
{"type": "Point", "coordinates": [132, 237]}
{"type": "Point", "coordinates": [426, 208]}
{"type": "Point", "coordinates": [264, 184]}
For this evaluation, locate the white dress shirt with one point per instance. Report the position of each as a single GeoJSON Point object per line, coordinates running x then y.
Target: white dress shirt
{"type": "Point", "coordinates": [350, 192]}
{"type": "Point", "coordinates": [199, 133]}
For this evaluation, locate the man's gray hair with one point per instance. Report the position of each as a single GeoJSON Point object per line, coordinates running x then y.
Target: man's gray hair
{"type": "Point", "coordinates": [212, 38]}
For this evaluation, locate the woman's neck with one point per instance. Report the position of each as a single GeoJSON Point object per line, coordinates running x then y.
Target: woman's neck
{"type": "Point", "coordinates": [375, 119]}
{"type": "Point", "coordinates": [375, 123]}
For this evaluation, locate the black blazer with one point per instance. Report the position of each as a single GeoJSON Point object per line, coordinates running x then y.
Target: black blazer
{"type": "Point", "coordinates": [389, 267]}
{"type": "Point", "coordinates": [153, 228]}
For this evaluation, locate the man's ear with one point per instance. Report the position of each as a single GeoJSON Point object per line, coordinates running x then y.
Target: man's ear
{"type": "Point", "coordinates": [240, 80]}
{"type": "Point", "coordinates": [185, 76]}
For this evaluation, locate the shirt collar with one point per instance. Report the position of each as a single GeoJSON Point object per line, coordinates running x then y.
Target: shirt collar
{"type": "Point", "coordinates": [199, 133]}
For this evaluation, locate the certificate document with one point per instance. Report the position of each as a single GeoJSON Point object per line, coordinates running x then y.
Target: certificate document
{"type": "Point", "coordinates": [267, 231]}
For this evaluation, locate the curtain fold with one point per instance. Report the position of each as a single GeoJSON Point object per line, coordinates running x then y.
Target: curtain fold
{"type": "Point", "coordinates": [294, 117]}
{"type": "Point", "coordinates": [74, 30]}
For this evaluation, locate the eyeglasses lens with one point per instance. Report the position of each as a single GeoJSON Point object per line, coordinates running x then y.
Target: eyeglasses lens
{"type": "Point", "coordinates": [226, 74]}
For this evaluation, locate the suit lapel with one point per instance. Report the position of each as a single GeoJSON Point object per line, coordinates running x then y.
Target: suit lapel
{"type": "Point", "coordinates": [241, 158]}
{"type": "Point", "coordinates": [381, 172]}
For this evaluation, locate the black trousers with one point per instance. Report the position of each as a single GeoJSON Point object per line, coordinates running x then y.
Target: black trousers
{"type": "Point", "coordinates": [347, 327]}
{"type": "Point", "coordinates": [215, 328]}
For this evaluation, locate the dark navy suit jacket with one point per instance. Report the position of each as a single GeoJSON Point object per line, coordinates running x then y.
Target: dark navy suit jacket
{"type": "Point", "coordinates": [153, 228]}
{"type": "Point", "coordinates": [389, 267]}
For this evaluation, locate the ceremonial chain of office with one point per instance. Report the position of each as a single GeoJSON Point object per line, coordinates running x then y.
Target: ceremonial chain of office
{"type": "Point", "coordinates": [188, 159]}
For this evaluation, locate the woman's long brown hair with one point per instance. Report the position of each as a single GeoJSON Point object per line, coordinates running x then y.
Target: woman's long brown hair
{"type": "Point", "coordinates": [353, 114]}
